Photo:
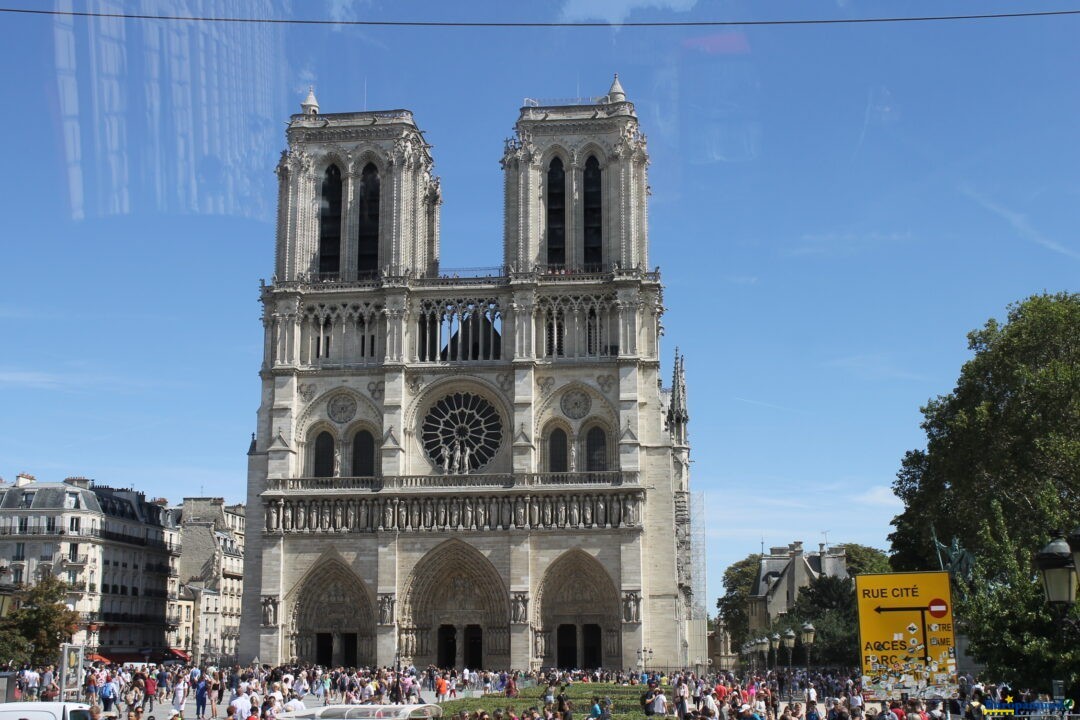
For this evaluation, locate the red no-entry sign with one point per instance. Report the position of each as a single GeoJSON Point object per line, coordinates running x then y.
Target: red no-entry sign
{"type": "Point", "coordinates": [938, 608]}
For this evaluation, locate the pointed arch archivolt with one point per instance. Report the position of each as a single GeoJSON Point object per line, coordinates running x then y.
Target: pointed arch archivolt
{"type": "Point", "coordinates": [576, 588]}
{"type": "Point", "coordinates": [455, 582]}
{"type": "Point", "coordinates": [330, 597]}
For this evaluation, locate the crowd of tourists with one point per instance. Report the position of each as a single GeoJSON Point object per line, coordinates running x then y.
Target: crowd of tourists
{"type": "Point", "coordinates": [263, 693]}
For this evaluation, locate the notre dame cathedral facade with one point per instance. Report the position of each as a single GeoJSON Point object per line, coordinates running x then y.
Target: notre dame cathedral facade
{"type": "Point", "coordinates": [467, 469]}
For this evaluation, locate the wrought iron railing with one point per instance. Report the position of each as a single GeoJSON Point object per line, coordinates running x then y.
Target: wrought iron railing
{"type": "Point", "coordinates": [607, 478]}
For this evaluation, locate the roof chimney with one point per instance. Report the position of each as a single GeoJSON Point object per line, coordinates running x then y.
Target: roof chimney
{"type": "Point", "coordinates": [24, 479]}
{"type": "Point", "coordinates": [79, 482]}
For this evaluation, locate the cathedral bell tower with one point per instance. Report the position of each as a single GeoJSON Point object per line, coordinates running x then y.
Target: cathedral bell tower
{"type": "Point", "coordinates": [356, 199]}
{"type": "Point", "coordinates": [575, 188]}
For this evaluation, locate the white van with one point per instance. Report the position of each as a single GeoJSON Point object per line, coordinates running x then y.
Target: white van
{"type": "Point", "coordinates": [44, 711]}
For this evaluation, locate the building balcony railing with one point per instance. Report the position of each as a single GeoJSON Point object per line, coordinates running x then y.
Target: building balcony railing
{"type": "Point", "coordinates": [50, 557]}
{"type": "Point", "coordinates": [609, 478]}
{"type": "Point", "coordinates": [172, 620]}
{"type": "Point", "coordinates": [75, 559]}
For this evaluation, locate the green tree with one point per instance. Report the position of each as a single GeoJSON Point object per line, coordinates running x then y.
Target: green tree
{"type": "Point", "coordinates": [41, 622]}
{"type": "Point", "coordinates": [1001, 468]}
{"type": "Point", "coordinates": [829, 603]}
{"type": "Point", "coordinates": [863, 560]}
{"type": "Point", "coordinates": [1008, 432]}
{"type": "Point", "coordinates": [739, 581]}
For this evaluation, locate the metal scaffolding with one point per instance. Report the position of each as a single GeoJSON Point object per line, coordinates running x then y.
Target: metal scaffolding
{"type": "Point", "coordinates": [699, 607]}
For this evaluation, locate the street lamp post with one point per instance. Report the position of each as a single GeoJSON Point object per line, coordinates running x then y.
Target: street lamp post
{"type": "Point", "coordinates": [643, 656]}
{"type": "Point", "coordinates": [763, 648]}
{"type": "Point", "coordinates": [1059, 565]}
{"type": "Point", "coordinates": [774, 645]}
{"type": "Point", "coordinates": [789, 643]}
{"type": "Point", "coordinates": [807, 636]}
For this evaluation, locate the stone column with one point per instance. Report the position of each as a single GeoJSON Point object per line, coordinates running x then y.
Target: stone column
{"type": "Point", "coordinates": [459, 646]}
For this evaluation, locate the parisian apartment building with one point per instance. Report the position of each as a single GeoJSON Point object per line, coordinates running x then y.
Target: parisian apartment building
{"type": "Point", "coordinates": [117, 551]}
{"type": "Point", "coordinates": [211, 574]}
{"type": "Point", "coordinates": [150, 582]}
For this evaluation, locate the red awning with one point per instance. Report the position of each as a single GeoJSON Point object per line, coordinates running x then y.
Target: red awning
{"type": "Point", "coordinates": [94, 657]}
{"type": "Point", "coordinates": [180, 654]}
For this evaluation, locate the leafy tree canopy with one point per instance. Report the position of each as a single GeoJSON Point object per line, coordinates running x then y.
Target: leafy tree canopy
{"type": "Point", "coordinates": [739, 581]}
{"type": "Point", "coordinates": [41, 622]}
{"type": "Point", "coordinates": [1009, 432]}
{"type": "Point", "coordinates": [863, 560]}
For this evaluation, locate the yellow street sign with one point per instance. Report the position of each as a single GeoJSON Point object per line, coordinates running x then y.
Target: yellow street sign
{"type": "Point", "coordinates": [906, 640]}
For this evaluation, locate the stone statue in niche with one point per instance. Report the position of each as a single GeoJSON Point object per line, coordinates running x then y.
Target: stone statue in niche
{"type": "Point", "coordinates": [601, 513]}
{"type": "Point", "coordinates": [388, 516]}
{"type": "Point", "coordinates": [301, 512]}
{"type": "Point", "coordinates": [541, 650]}
{"type": "Point", "coordinates": [287, 518]}
{"type": "Point", "coordinates": [573, 456]}
{"type": "Point", "coordinates": [586, 512]}
{"type": "Point", "coordinates": [481, 513]}
{"type": "Point", "coordinates": [386, 609]}
{"type": "Point", "coordinates": [519, 608]}
{"type": "Point", "coordinates": [616, 511]}
{"type": "Point", "coordinates": [429, 515]}
{"type": "Point", "coordinates": [337, 461]}
{"type": "Point", "coordinates": [269, 610]}
{"type": "Point", "coordinates": [338, 515]}
{"type": "Point", "coordinates": [575, 511]}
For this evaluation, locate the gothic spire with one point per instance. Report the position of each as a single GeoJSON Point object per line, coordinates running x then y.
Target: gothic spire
{"type": "Point", "coordinates": [678, 416]}
{"type": "Point", "coordinates": [310, 106]}
{"type": "Point", "coordinates": [616, 92]}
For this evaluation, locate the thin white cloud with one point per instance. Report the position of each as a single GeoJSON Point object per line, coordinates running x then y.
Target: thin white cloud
{"type": "Point", "coordinates": [1019, 223]}
{"type": "Point", "coordinates": [843, 244]}
{"type": "Point", "coordinates": [72, 381]}
{"type": "Point", "coordinates": [33, 380]}
{"type": "Point", "coordinates": [873, 366]}
{"type": "Point", "coordinates": [773, 406]}
{"type": "Point", "coordinates": [878, 496]}
{"type": "Point", "coordinates": [616, 11]}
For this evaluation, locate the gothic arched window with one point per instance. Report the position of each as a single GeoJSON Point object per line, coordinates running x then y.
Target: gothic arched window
{"type": "Point", "coordinates": [556, 215]}
{"type": "Point", "coordinates": [330, 223]}
{"type": "Point", "coordinates": [367, 233]}
{"type": "Point", "coordinates": [596, 453]}
{"type": "Point", "coordinates": [593, 216]}
{"type": "Point", "coordinates": [324, 455]}
{"type": "Point", "coordinates": [363, 454]}
{"type": "Point", "coordinates": [557, 451]}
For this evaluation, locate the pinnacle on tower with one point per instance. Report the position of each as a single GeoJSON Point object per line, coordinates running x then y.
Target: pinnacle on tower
{"type": "Point", "coordinates": [310, 106]}
{"type": "Point", "coordinates": [616, 92]}
{"type": "Point", "coordinates": [678, 416]}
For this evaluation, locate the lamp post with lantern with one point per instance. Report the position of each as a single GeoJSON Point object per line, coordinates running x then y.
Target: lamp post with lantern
{"type": "Point", "coordinates": [806, 635]}
{"type": "Point", "coordinates": [1058, 563]}
{"type": "Point", "coordinates": [774, 646]}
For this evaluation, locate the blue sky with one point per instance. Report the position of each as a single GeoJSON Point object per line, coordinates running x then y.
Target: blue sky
{"type": "Point", "coordinates": [833, 209]}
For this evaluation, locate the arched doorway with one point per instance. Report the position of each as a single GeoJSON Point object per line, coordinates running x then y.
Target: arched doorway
{"type": "Point", "coordinates": [456, 606]}
{"type": "Point", "coordinates": [332, 621]}
{"type": "Point", "coordinates": [578, 605]}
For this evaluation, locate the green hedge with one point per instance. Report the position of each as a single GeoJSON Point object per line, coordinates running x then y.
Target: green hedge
{"type": "Point", "coordinates": [625, 700]}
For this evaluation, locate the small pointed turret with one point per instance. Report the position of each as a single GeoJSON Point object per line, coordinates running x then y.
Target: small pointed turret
{"type": "Point", "coordinates": [616, 93]}
{"type": "Point", "coordinates": [310, 106]}
{"type": "Point", "coordinates": [678, 416]}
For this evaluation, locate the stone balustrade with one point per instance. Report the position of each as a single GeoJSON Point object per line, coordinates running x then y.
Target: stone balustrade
{"type": "Point", "coordinates": [595, 509]}
{"type": "Point", "coordinates": [406, 483]}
